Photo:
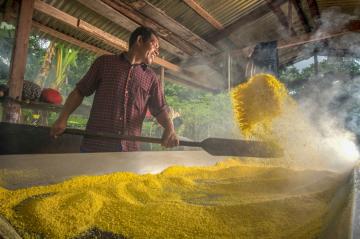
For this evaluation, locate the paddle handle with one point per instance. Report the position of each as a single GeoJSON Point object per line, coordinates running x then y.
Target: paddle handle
{"type": "Point", "coordinates": [126, 137]}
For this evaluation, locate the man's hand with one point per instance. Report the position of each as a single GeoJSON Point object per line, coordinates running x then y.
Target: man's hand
{"type": "Point", "coordinates": [72, 102]}
{"type": "Point", "coordinates": [169, 138]}
{"type": "Point", "coordinates": [58, 128]}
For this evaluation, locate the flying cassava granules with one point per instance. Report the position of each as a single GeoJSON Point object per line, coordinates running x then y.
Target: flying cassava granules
{"type": "Point", "coordinates": [257, 102]}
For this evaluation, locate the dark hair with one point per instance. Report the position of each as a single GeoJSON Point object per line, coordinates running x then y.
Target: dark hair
{"type": "Point", "coordinates": [144, 32]}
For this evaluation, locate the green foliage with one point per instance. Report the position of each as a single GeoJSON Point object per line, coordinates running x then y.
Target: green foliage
{"type": "Point", "coordinates": [202, 114]}
{"type": "Point", "coordinates": [295, 78]}
{"type": "Point", "coordinates": [65, 57]}
{"type": "Point", "coordinates": [290, 74]}
{"type": "Point", "coordinates": [7, 35]}
{"type": "Point", "coordinates": [35, 55]}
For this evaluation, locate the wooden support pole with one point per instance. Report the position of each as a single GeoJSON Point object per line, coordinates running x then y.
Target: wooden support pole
{"type": "Point", "coordinates": [229, 71]}
{"type": "Point", "coordinates": [314, 11]}
{"type": "Point", "coordinates": [281, 17]}
{"type": "Point", "coordinates": [289, 16]}
{"type": "Point", "coordinates": [303, 19]}
{"type": "Point", "coordinates": [316, 63]}
{"type": "Point", "coordinates": [18, 60]}
{"type": "Point", "coordinates": [162, 78]}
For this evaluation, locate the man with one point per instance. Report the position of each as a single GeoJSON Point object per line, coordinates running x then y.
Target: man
{"type": "Point", "coordinates": [125, 87]}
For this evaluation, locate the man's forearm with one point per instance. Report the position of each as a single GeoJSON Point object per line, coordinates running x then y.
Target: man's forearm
{"type": "Point", "coordinates": [72, 102]}
{"type": "Point", "coordinates": [164, 120]}
{"type": "Point", "coordinates": [169, 137]}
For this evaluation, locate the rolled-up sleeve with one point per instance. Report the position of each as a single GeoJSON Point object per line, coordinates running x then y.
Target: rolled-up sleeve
{"type": "Point", "coordinates": [89, 83]}
{"type": "Point", "coordinates": [157, 102]}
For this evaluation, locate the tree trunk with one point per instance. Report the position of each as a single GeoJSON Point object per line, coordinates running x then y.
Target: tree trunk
{"type": "Point", "coordinates": [45, 68]}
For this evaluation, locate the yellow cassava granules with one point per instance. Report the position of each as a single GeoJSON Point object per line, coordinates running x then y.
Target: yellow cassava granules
{"type": "Point", "coordinates": [256, 102]}
{"type": "Point", "coordinates": [228, 200]}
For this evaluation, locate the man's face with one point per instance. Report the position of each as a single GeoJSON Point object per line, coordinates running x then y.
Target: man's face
{"type": "Point", "coordinates": [149, 49]}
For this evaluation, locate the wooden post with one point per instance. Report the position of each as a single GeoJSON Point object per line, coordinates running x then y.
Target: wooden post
{"type": "Point", "coordinates": [290, 20]}
{"type": "Point", "coordinates": [18, 60]}
{"type": "Point", "coordinates": [316, 63]}
{"type": "Point", "coordinates": [162, 77]}
{"type": "Point", "coordinates": [229, 71]}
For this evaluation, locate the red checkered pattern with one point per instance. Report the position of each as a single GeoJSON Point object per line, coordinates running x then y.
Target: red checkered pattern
{"type": "Point", "coordinates": [123, 93]}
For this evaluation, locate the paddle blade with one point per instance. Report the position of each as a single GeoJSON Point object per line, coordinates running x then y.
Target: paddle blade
{"type": "Point", "coordinates": [241, 148]}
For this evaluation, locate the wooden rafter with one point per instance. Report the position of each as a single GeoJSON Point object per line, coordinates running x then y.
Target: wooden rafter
{"type": "Point", "coordinates": [352, 26]}
{"type": "Point", "coordinates": [115, 16]}
{"type": "Point", "coordinates": [231, 42]}
{"type": "Point", "coordinates": [204, 14]}
{"type": "Point", "coordinates": [94, 31]}
{"type": "Point", "coordinates": [314, 11]}
{"type": "Point", "coordinates": [140, 19]}
{"type": "Point", "coordinates": [281, 16]}
{"type": "Point", "coordinates": [69, 39]}
{"type": "Point", "coordinates": [289, 15]}
{"type": "Point", "coordinates": [159, 16]}
{"type": "Point", "coordinates": [300, 12]}
{"type": "Point", "coordinates": [252, 16]}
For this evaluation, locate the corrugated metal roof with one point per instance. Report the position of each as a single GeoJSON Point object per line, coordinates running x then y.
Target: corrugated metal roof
{"type": "Point", "coordinates": [183, 14]}
{"type": "Point", "coordinates": [229, 11]}
{"type": "Point", "coordinates": [225, 12]}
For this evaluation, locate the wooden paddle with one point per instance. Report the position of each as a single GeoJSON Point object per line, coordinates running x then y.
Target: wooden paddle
{"type": "Point", "coordinates": [214, 146]}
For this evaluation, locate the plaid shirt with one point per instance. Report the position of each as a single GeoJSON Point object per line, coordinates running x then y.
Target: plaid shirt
{"type": "Point", "coordinates": [123, 93]}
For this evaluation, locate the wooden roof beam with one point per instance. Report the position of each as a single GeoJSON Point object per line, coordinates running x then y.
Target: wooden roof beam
{"type": "Point", "coordinates": [159, 16]}
{"type": "Point", "coordinates": [53, 33]}
{"type": "Point", "coordinates": [252, 16]}
{"type": "Point", "coordinates": [140, 19]}
{"type": "Point", "coordinates": [352, 26]}
{"type": "Point", "coordinates": [301, 14]}
{"type": "Point", "coordinates": [314, 11]}
{"type": "Point", "coordinates": [231, 42]}
{"type": "Point", "coordinates": [69, 39]}
{"type": "Point", "coordinates": [204, 14]}
{"type": "Point", "coordinates": [290, 15]}
{"type": "Point", "coordinates": [115, 16]}
{"type": "Point", "coordinates": [281, 17]}
{"type": "Point", "coordinates": [94, 31]}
